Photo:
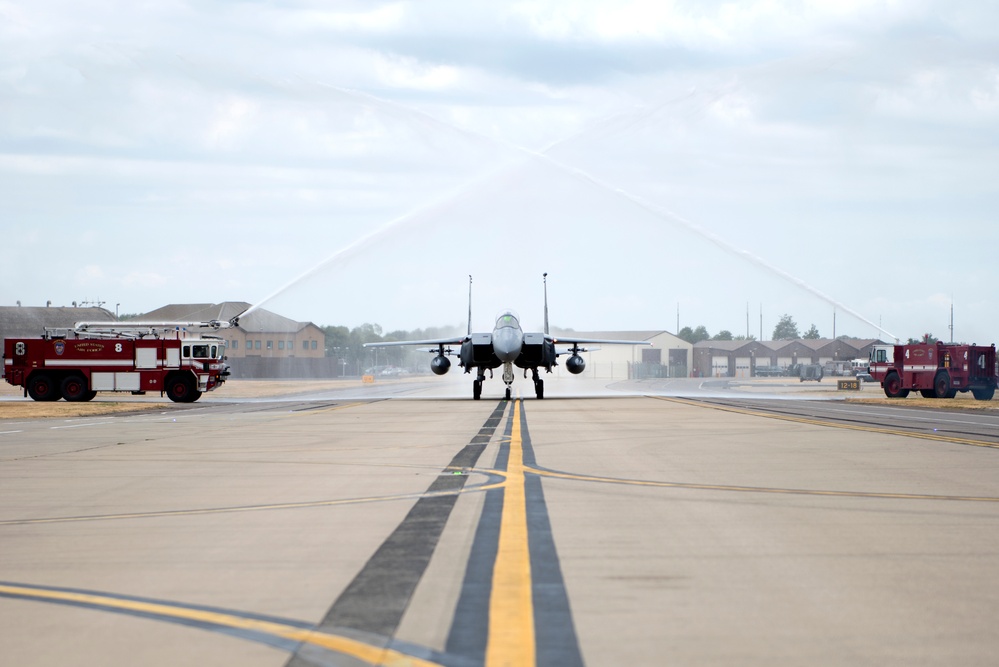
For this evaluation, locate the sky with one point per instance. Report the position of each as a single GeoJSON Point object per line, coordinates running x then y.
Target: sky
{"type": "Point", "coordinates": [665, 162]}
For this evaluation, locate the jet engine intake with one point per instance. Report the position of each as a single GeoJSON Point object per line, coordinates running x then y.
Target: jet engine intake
{"type": "Point", "coordinates": [575, 364]}
{"type": "Point", "coordinates": [440, 364]}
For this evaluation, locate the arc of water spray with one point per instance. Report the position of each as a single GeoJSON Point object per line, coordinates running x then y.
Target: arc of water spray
{"type": "Point", "coordinates": [453, 195]}
{"type": "Point", "coordinates": [364, 241]}
{"type": "Point", "coordinates": [575, 172]}
{"type": "Point", "coordinates": [706, 234]}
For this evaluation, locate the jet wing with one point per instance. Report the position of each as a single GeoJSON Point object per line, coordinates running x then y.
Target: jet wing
{"type": "Point", "coordinates": [436, 342]}
{"type": "Point", "coordinates": [567, 340]}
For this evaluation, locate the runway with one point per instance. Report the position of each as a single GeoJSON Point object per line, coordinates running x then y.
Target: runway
{"type": "Point", "coordinates": [606, 526]}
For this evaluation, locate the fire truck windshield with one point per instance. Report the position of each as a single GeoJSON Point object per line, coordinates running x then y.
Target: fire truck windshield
{"type": "Point", "coordinates": [204, 351]}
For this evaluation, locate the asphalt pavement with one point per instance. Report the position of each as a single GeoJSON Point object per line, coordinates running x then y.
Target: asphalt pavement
{"type": "Point", "coordinates": [609, 524]}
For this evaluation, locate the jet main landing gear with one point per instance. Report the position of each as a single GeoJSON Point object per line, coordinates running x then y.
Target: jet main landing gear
{"type": "Point", "coordinates": [539, 385]}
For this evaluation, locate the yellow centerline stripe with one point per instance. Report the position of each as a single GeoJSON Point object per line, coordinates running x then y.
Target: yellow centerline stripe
{"type": "Point", "coordinates": [511, 607]}
{"type": "Point", "coordinates": [372, 655]}
{"type": "Point", "coordinates": [833, 424]}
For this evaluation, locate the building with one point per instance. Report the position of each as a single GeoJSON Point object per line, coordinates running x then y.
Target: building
{"type": "Point", "coordinates": [742, 358]}
{"type": "Point", "coordinates": [262, 333]}
{"type": "Point", "coordinates": [263, 344]}
{"type": "Point", "coordinates": [31, 321]}
{"type": "Point", "coordinates": [667, 356]}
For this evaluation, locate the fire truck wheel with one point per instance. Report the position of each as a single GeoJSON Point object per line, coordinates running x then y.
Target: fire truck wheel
{"type": "Point", "coordinates": [89, 396]}
{"type": "Point", "coordinates": [74, 388]}
{"type": "Point", "coordinates": [42, 388]}
{"type": "Point", "coordinates": [941, 385]}
{"type": "Point", "coordinates": [893, 386]}
{"type": "Point", "coordinates": [984, 394]}
{"type": "Point", "coordinates": [180, 389]}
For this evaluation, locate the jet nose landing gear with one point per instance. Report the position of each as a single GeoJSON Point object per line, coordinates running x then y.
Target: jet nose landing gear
{"type": "Point", "coordinates": [508, 378]}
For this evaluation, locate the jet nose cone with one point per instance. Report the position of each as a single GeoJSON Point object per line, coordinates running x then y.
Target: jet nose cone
{"type": "Point", "coordinates": [507, 344]}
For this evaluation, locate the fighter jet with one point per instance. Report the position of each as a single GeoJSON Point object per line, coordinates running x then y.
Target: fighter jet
{"type": "Point", "coordinates": [508, 345]}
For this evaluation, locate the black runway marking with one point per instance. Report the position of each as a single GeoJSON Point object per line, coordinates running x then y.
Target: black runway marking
{"type": "Point", "coordinates": [556, 641]}
{"type": "Point", "coordinates": [470, 628]}
{"type": "Point", "coordinates": [315, 407]}
{"type": "Point", "coordinates": [554, 630]}
{"type": "Point", "coordinates": [375, 601]}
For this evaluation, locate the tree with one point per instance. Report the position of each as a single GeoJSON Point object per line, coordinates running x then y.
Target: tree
{"type": "Point", "coordinates": [812, 334]}
{"type": "Point", "coordinates": [928, 339]}
{"type": "Point", "coordinates": [786, 329]}
{"type": "Point", "coordinates": [367, 333]}
{"type": "Point", "coordinates": [337, 340]}
{"type": "Point", "coordinates": [694, 335]}
{"type": "Point", "coordinates": [724, 334]}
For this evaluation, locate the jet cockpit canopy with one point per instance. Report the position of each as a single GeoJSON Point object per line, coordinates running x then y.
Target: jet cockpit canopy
{"type": "Point", "coordinates": [507, 319]}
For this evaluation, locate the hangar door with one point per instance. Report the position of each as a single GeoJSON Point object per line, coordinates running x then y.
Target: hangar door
{"type": "Point", "coordinates": [719, 367]}
{"type": "Point", "coordinates": [678, 363]}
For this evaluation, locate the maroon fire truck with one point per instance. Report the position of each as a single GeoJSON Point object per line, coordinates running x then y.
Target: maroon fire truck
{"type": "Point", "coordinates": [75, 364]}
{"type": "Point", "coordinates": [937, 370]}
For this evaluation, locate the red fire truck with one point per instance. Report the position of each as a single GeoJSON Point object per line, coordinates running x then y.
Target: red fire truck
{"type": "Point", "coordinates": [937, 370]}
{"type": "Point", "coordinates": [135, 357]}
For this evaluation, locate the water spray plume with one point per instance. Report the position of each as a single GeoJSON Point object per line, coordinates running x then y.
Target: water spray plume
{"type": "Point", "coordinates": [579, 174]}
{"type": "Point", "coordinates": [669, 216]}
{"type": "Point", "coordinates": [363, 242]}
{"type": "Point", "coordinates": [339, 255]}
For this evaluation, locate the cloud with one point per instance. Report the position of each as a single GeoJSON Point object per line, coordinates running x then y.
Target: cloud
{"type": "Point", "coordinates": [284, 132]}
{"type": "Point", "coordinates": [145, 279]}
{"type": "Point", "coordinates": [89, 275]}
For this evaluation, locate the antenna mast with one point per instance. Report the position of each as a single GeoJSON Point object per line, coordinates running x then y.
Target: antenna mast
{"type": "Point", "coordinates": [952, 319]}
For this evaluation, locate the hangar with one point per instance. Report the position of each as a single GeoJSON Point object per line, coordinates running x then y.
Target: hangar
{"type": "Point", "coordinates": [742, 358]}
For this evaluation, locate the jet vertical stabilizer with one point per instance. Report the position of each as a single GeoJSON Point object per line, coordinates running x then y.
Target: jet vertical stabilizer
{"type": "Point", "coordinates": [469, 304]}
{"type": "Point", "coordinates": [544, 278]}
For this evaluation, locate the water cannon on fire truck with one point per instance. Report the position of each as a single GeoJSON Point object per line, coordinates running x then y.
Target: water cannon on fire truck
{"type": "Point", "coordinates": [179, 359]}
